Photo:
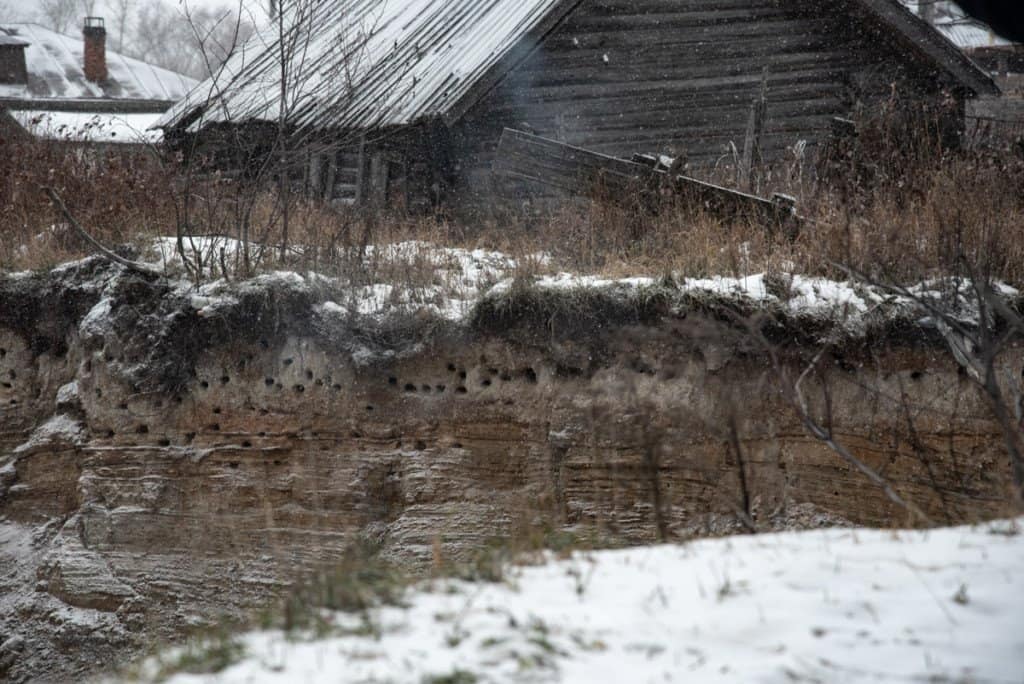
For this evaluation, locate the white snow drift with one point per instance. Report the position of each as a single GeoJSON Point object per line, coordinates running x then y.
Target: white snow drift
{"type": "Point", "coordinates": [839, 605]}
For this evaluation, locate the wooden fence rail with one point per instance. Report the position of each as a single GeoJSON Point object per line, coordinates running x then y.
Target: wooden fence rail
{"type": "Point", "coordinates": [576, 171]}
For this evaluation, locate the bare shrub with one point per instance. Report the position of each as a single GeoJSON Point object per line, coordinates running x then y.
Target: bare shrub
{"type": "Point", "coordinates": [895, 203]}
{"type": "Point", "coordinates": [118, 192]}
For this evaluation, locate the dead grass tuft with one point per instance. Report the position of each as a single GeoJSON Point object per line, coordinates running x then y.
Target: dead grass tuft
{"type": "Point", "coordinates": [892, 201]}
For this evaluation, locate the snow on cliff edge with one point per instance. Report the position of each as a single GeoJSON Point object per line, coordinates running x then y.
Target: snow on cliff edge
{"type": "Point", "coordinates": [839, 605]}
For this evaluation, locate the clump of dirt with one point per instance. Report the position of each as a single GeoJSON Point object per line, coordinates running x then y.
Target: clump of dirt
{"type": "Point", "coordinates": [152, 329]}
{"type": "Point", "coordinates": [162, 334]}
{"type": "Point", "coordinates": [562, 314]}
{"type": "Point", "coordinates": [45, 307]}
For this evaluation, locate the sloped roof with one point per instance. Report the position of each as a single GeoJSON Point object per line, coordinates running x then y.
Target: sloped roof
{"type": "Point", "coordinates": [55, 71]}
{"type": "Point", "coordinates": [411, 59]}
{"type": "Point", "coordinates": [11, 41]}
{"type": "Point", "coordinates": [921, 37]}
{"type": "Point", "coordinates": [364, 64]}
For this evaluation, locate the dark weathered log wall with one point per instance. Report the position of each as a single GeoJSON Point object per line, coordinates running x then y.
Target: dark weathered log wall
{"type": "Point", "coordinates": [680, 76]}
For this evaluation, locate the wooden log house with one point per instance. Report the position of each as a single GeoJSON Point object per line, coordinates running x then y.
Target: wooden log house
{"type": "Point", "coordinates": [404, 101]}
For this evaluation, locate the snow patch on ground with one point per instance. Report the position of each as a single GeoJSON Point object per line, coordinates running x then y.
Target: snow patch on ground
{"type": "Point", "coordinates": [836, 605]}
{"type": "Point", "coordinates": [752, 287]}
{"type": "Point", "coordinates": [404, 277]}
{"type": "Point", "coordinates": [849, 305]}
{"type": "Point", "coordinates": [68, 394]}
{"type": "Point", "coordinates": [814, 293]}
{"type": "Point", "coordinates": [89, 126]}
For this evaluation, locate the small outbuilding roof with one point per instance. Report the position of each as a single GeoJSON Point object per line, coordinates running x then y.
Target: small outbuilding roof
{"type": "Point", "coordinates": [11, 41]}
{"type": "Point", "coordinates": [55, 71]}
{"type": "Point", "coordinates": [89, 127]}
{"type": "Point", "coordinates": [365, 64]}
{"type": "Point", "coordinates": [963, 31]}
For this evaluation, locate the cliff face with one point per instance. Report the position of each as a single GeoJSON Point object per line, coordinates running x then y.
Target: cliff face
{"type": "Point", "coordinates": [131, 508]}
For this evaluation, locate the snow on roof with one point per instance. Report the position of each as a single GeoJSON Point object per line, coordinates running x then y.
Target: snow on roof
{"type": "Point", "coordinates": [963, 31]}
{"type": "Point", "coordinates": [55, 70]}
{"type": "Point", "coordinates": [967, 34]}
{"type": "Point", "coordinates": [367, 63]}
{"type": "Point", "coordinates": [11, 40]}
{"type": "Point", "coordinates": [89, 126]}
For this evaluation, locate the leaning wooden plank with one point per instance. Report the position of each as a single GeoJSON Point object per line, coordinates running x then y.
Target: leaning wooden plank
{"type": "Point", "coordinates": [1004, 109]}
{"type": "Point", "coordinates": [577, 171]}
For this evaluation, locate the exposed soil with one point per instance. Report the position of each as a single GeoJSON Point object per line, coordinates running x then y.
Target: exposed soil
{"type": "Point", "coordinates": [162, 469]}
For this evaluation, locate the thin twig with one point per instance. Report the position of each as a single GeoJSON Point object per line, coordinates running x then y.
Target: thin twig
{"type": "Point", "coordinates": [828, 438]}
{"type": "Point", "coordinates": [975, 351]}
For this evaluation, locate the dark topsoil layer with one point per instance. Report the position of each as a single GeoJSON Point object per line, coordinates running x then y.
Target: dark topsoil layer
{"type": "Point", "coordinates": [161, 334]}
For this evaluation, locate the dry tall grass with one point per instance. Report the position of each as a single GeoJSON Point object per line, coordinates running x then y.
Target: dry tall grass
{"type": "Point", "coordinates": [120, 192]}
{"type": "Point", "coordinates": [894, 202]}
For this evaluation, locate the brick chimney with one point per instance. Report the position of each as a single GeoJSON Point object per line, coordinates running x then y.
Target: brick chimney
{"type": "Point", "coordinates": [94, 33]}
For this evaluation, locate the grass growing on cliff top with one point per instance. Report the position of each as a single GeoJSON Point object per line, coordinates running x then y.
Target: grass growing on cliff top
{"type": "Point", "coordinates": [897, 202]}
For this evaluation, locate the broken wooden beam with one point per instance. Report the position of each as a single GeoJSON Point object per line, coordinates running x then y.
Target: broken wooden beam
{"type": "Point", "coordinates": [574, 170]}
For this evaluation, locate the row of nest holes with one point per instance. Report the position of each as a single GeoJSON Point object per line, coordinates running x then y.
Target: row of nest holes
{"type": "Point", "coordinates": [158, 403]}
{"type": "Point", "coordinates": [300, 434]}
{"type": "Point", "coordinates": [527, 374]}
{"type": "Point", "coordinates": [270, 382]}
{"type": "Point", "coordinates": [234, 464]}
{"type": "Point", "coordinates": [273, 382]}
{"type": "Point", "coordinates": [189, 437]}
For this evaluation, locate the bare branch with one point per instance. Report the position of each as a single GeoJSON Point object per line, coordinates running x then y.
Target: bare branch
{"type": "Point", "coordinates": [795, 397]}
{"type": "Point", "coordinates": [976, 349]}
{"type": "Point", "coordinates": [58, 203]}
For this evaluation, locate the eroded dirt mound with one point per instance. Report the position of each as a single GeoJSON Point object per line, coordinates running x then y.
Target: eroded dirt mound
{"type": "Point", "coordinates": [169, 457]}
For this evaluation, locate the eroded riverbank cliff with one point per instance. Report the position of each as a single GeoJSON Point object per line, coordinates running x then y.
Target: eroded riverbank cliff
{"type": "Point", "coordinates": [165, 462]}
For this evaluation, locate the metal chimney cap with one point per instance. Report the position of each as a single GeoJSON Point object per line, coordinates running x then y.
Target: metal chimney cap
{"type": "Point", "coordinates": [95, 22]}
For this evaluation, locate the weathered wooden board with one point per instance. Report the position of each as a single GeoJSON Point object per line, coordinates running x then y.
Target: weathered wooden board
{"type": "Point", "coordinates": [994, 120]}
{"type": "Point", "coordinates": [1004, 109]}
{"type": "Point", "coordinates": [574, 170]}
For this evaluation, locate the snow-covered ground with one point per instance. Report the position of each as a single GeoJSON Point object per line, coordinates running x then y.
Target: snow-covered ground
{"type": "Point", "coordinates": [408, 276]}
{"type": "Point", "coordinates": [416, 276]}
{"type": "Point", "coordinates": [839, 605]}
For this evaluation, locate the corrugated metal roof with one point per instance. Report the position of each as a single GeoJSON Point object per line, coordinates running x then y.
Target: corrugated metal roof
{"type": "Point", "coordinates": [56, 71]}
{"type": "Point", "coordinates": [967, 34]}
{"type": "Point", "coordinates": [366, 63]}
{"type": "Point", "coordinates": [363, 64]}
